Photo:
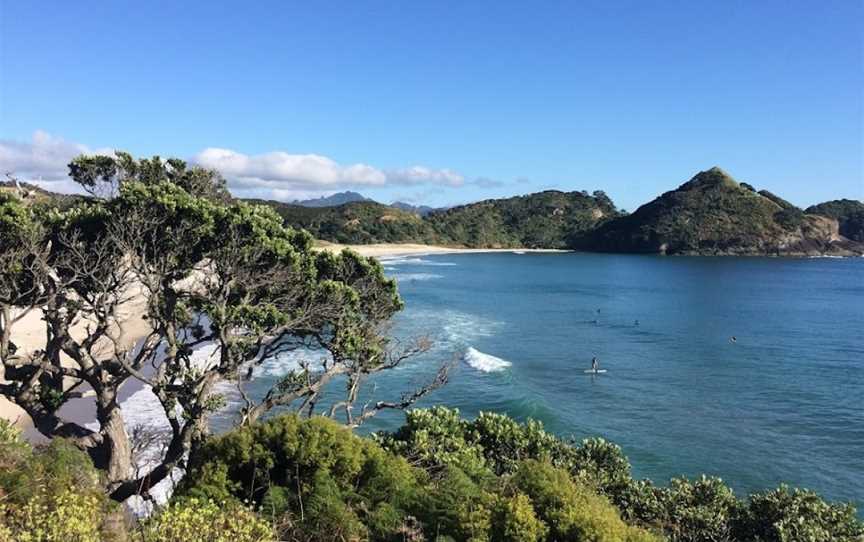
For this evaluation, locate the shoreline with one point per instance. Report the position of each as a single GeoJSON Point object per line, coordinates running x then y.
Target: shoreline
{"type": "Point", "coordinates": [416, 249]}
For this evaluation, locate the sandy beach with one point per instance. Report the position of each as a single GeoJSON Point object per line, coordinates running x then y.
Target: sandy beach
{"type": "Point", "coordinates": [29, 335]}
{"type": "Point", "coordinates": [397, 249]}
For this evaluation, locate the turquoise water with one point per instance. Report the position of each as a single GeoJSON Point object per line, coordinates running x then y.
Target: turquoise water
{"type": "Point", "coordinates": [783, 403]}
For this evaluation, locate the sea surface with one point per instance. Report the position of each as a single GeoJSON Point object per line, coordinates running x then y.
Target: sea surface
{"type": "Point", "coordinates": [782, 402]}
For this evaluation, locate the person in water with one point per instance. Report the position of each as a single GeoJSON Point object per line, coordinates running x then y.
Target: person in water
{"type": "Point", "coordinates": [734, 339]}
{"type": "Point", "coordinates": [594, 364]}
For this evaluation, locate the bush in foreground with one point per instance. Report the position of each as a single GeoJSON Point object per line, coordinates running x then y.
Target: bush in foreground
{"type": "Point", "coordinates": [51, 494]}
{"type": "Point", "coordinates": [318, 481]}
{"type": "Point", "coordinates": [438, 478]}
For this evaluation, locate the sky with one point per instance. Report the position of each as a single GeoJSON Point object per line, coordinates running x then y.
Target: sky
{"type": "Point", "coordinates": [440, 102]}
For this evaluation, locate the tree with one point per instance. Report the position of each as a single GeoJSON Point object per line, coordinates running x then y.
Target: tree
{"type": "Point", "coordinates": [209, 271]}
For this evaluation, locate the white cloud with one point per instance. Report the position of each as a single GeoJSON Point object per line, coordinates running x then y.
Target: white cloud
{"type": "Point", "coordinates": [280, 175]}
{"type": "Point", "coordinates": [43, 160]}
{"type": "Point", "coordinates": [313, 172]}
{"type": "Point", "coordinates": [424, 175]}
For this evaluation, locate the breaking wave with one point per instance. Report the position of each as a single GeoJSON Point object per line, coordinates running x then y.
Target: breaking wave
{"type": "Point", "coordinates": [486, 363]}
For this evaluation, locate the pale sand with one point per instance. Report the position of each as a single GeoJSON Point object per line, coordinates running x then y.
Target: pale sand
{"type": "Point", "coordinates": [29, 335]}
{"type": "Point", "coordinates": [395, 249]}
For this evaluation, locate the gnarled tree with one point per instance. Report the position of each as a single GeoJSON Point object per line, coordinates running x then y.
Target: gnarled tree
{"type": "Point", "coordinates": [167, 242]}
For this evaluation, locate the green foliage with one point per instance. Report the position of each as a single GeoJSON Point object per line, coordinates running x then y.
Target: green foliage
{"type": "Point", "coordinates": [312, 476]}
{"type": "Point", "coordinates": [514, 520]}
{"type": "Point", "coordinates": [701, 510]}
{"type": "Point", "coordinates": [542, 220]}
{"type": "Point", "coordinates": [571, 510]}
{"type": "Point", "coordinates": [787, 515]}
{"type": "Point", "coordinates": [495, 444]}
{"type": "Point", "coordinates": [192, 520]}
{"type": "Point", "coordinates": [790, 218]}
{"type": "Point", "coordinates": [51, 494]}
{"type": "Point", "coordinates": [105, 176]}
{"type": "Point", "coordinates": [318, 481]}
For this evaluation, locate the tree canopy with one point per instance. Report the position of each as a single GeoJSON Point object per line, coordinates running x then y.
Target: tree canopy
{"type": "Point", "coordinates": [165, 240]}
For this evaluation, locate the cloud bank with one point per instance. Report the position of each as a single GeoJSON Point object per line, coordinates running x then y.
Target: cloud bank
{"type": "Point", "coordinates": [278, 175]}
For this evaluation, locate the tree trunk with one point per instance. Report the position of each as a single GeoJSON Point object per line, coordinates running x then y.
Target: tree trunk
{"type": "Point", "coordinates": [115, 452]}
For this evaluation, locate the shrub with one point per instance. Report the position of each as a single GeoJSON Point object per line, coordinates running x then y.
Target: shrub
{"type": "Point", "coordinates": [787, 515]}
{"type": "Point", "coordinates": [790, 218]}
{"type": "Point", "coordinates": [51, 494]}
{"type": "Point", "coordinates": [457, 506]}
{"type": "Point", "coordinates": [54, 517]}
{"type": "Point", "coordinates": [496, 443]}
{"type": "Point", "coordinates": [435, 438]}
{"type": "Point", "coordinates": [514, 520]}
{"type": "Point", "coordinates": [193, 519]}
{"type": "Point", "coordinates": [699, 510]}
{"type": "Point", "coordinates": [314, 478]}
{"type": "Point", "coordinates": [572, 511]}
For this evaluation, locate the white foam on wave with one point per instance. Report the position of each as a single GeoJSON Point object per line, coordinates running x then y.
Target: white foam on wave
{"type": "Point", "coordinates": [403, 260]}
{"type": "Point", "coordinates": [416, 276]}
{"type": "Point", "coordinates": [461, 328]}
{"type": "Point", "coordinates": [283, 363]}
{"type": "Point", "coordinates": [486, 363]}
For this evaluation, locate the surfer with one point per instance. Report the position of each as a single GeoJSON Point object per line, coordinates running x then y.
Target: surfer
{"type": "Point", "coordinates": [595, 366]}
{"type": "Point", "coordinates": [734, 339]}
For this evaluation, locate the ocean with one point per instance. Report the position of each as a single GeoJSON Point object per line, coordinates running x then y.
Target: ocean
{"type": "Point", "coordinates": [782, 402]}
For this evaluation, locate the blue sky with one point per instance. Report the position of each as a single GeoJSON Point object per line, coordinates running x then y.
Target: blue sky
{"type": "Point", "coordinates": [444, 102]}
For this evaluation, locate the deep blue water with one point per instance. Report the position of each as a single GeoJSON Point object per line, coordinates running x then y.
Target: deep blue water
{"type": "Point", "coordinates": [784, 403]}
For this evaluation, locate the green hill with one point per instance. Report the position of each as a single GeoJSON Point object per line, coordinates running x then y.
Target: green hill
{"type": "Point", "coordinates": [849, 214]}
{"type": "Point", "coordinates": [714, 214]}
{"type": "Point", "coordinates": [359, 222]}
{"type": "Point", "coordinates": [543, 220]}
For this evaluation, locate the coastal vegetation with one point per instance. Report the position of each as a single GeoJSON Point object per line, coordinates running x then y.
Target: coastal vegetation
{"type": "Point", "coordinates": [439, 477]}
{"type": "Point", "coordinates": [542, 220]}
{"type": "Point", "coordinates": [204, 269]}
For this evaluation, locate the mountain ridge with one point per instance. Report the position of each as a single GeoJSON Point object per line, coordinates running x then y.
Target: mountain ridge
{"type": "Point", "coordinates": [710, 214]}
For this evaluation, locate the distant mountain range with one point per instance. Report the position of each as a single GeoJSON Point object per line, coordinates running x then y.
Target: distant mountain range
{"type": "Point", "coordinates": [339, 198]}
{"type": "Point", "coordinates": [711, 214]}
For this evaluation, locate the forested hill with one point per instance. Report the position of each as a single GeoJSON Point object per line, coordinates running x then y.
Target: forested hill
{"type": "Point", "coordinates": [711, 214]}
{"type": "Point", "coordinates": [543, 220]}
{"type": "Point", "coordinates": [714, 214]}
{"type": "Point", "coordinates": [359, 222]}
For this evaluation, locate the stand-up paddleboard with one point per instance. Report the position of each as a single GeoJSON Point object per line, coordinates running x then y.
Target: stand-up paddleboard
{"type": "Point", "coordinates": [594, 372]}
